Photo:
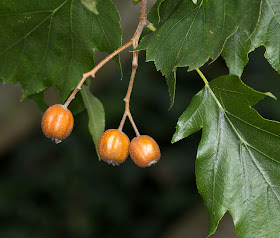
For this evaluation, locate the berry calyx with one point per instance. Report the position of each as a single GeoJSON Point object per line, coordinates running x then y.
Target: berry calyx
{"type": "Point", "coordinates": [113, 146]}
{"type": "Point", "coordinates": [144, 151]}
{"type": "Point", "coordinates": [57, 122]}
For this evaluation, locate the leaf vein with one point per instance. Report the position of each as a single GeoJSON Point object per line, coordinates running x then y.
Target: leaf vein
{"type": "Point", "coordinates": [186, 36]}
{"type": "Point", "coordinates": [34, 29]}
{"type": "Point", "coordinates": [268, 132]}
{"type": "Point", "coordinates": [269, 157]}
{"type": "Point", "coordinates": [216, 159]}
{"type": "Point", "coordinates": [265, 178]}
{"type": "Point", "coordinates": [168, 33]}
{"type": "Point", "coordinates": [273, 13]}
{"type": "Point", "coordinates": [25, 36]}
{"type": "Point", "coordinates": [25, 13]}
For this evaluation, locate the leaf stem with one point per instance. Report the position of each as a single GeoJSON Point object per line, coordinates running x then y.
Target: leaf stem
{"type": "Point", "coordinates": [151, 27]}
{"type": "Point", "coordinates": [203, 77]}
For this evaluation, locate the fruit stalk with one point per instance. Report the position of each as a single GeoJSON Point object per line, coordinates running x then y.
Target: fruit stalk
{"type": "Point", "coordinates": [143, 22]}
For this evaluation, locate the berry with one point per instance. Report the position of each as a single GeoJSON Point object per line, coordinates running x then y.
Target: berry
{"type": "Point", "coordinates": [113, 146]}
{"type": "Point", "coordinates": [144, 151]}
{"type": "Point", "coordinates": [57, 122]}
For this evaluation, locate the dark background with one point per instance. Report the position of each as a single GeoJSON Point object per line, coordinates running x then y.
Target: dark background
{"type": "Point", "coordinates": [49, 190]}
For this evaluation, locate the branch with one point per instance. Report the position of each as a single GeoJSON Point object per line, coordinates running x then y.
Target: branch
{"type": "Point", "coordinates": [94, 71]}
{"type": "Point", "coordinates": [143, 22]}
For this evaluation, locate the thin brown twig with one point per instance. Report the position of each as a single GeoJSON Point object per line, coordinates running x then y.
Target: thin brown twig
{"type": "Point", "coordinates": [143, 22]}
{"type": "Point", "coordinates": [127, 112]}
{"type": "Point", "coordinates": [94, 71]}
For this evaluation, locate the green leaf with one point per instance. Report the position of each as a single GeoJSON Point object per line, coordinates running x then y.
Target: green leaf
{"type": "Point", "coordinates": [236, 52]}
{"type": "Point", "coordinates": [267, 33]}
{"type": "Point", "coordinates": [194, 33]}
{"type": "Point", "coordinates": [135, 2]}
{"type": "Point", "coordinates": [91, 5]}
{"type": "Point", "coordinates": [238, 158]}
{"type": "Point", "coordinates": [96, 115]}
{"type": "Point", "coordinates": [154, 14]}
{"type": "Point", "coordinates": [46, 43]}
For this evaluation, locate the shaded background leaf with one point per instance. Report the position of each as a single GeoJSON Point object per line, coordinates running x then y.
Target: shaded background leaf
{"type": "Point", "coordinates": [238, 158]}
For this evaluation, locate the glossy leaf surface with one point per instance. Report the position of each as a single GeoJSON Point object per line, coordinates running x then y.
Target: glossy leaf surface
{"type": "Point", "coordinates": [238, 158]}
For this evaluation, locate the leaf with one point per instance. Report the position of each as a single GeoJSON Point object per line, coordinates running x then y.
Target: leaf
{"type": "Point", "coordinates": [96, 115]}
{"type": "Point", "coordinates": [135, 2]}
{"type": "Point", "coordinates": [267, 34]}
{"type": "Point", "coordinates": [238, 158]}
{"type": "Point", "coordinates": [236, 51]}
{"type": "Point", "coordinates": [46, 43]}
{"type": "Point", "coordinates": [91, 5]}
{"type": "Point", "coordinates": [154, 14]}
{"type": "Point", "coordinates": [194, 33]}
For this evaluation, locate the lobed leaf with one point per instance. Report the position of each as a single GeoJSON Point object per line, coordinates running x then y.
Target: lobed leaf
{"type": "Point", "coordinates": [45, 43]}
{"type": "Point", "coordinates": [236, 51]}
{"type": "Point", "coordinates": [191, 34]}
{"type": "Point", "coordinates": [267, 33]}
{"type": "Point", "coordinates": [96, 115]}
{"type": "Point", "coordinates": [238, 158]}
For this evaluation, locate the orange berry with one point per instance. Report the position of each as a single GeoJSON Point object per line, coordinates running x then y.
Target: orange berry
{"type": "Point", "coordinates": [57, 122]}
{"type": "Point", "coordinates": [144, 151]}
{"type": "Point", "coordinates": [113, 146]}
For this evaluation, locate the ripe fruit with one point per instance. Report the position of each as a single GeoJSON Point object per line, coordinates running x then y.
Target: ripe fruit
{"type": "Point", "coordinates": [144, 151]}
{"type": "Point", "coordinates": [113, 146]}
{"type": "Point", "coordinates": [57, 122]}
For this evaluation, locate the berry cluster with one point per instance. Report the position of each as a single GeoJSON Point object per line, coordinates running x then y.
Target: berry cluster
{"type": "Point", "coordinates": [114, 147]}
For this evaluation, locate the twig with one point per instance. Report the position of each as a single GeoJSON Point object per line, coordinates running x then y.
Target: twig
{"type": "Point", "coordinates": [94, 70]}
{"type": "Point", "coordinates": [143, 22]}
